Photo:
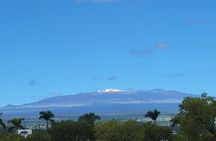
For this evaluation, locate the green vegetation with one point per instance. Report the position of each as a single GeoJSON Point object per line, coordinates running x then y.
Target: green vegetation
{"type": "Point", "coordinates": [39, 136]}
{"type": "Point", "coordinates": [196, 119]}
{"type": "Point", "coordinates": [119, 131]}
{"type": "Point", "coordinates": [10, 137]}
{"type": "Point", "coordinates": [89, 119]}
{"type": "Point", "coordinates": [153, 132]}
{"type": "Point", "coordinates": [2, 123]}
{"type": "Point", "coordinates": [66, 131]}
{"type": "Point", "coordinates": [48, 116]}
{"type": "Point", "coordinates": [87, 123]}
{"type": "Point", "coordinates": [16, 124]}
{"type": "Point", "coordinates": [153, 115]}
{"type": "Point", "coordinates": [195, 122]}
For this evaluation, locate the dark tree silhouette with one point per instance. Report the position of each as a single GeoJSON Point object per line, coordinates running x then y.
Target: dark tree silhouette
{"type": "Point", "coordinates": [153, 115]}
{"type": "Point", "coordinates": [2, 123]}
{"type": "Point", "coordinates": [48, 116]}
{"type": "Point", "coordinates": [16, 124]}
{"type": "Point", "coordinates": [90, 118]}
{"type": "Point", "coordinates": [87, 123]}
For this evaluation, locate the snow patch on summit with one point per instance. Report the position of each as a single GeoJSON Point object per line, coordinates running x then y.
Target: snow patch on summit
{"type": "Point", "coordinates": [109, 91]}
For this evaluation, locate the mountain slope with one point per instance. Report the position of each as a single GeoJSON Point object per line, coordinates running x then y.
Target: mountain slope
{"type": "Point", "coordinates": [107, 101]}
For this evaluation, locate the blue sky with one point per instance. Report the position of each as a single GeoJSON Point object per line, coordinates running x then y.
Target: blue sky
{"type": "Point", "coordinates": [55, 47]}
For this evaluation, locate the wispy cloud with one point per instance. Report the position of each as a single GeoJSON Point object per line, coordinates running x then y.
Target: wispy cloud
{"type": "Point", "coordinates": [150, 50]}
{"type": "Point", "coordinates": [98, 79]}
{"type": "Point", "coordinates": [196, 22]}
{"type": "Point", "coordinates": [109, 78]}
{"type": "Point", "coordinates": [171, 75]}
{"type": "Point", "coordinates": [162, 45]}
{"type": "Point", "coordinates": [55, 94]}
{"type": "Point", "coordinates": [33, 83]}
{"type": "Point", "coordinates": [142, 53]}
{"type": "Point", "coordinates": [158, 101]}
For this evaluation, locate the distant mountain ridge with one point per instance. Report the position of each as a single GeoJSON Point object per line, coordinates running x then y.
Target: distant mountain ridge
{"type": "Point", "coordinates": [107, 101]}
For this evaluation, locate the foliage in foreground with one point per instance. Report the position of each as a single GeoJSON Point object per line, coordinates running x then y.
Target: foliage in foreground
{"type": "Point", "coordinates": [108, 131]}
{"type": "Point", "coordinates": [16, 124]}
{"type": "Point", "coordinates": [39, 136]}
{"type": "Point", "coordinates": [10, 137]}
{"type": "Point", "coordinates": [196, 119]}
{"type": "Point", "coordinates": [132, 130]}
{"type": "Point", "coordinates": [47, 116]}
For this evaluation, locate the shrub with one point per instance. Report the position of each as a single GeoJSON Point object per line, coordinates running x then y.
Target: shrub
{"type": "Point", "coordinates": [108, 131]}
{"type": "Point", "coordinates": [154, 132]}
{"type": "Point", "coordinates": [119, 131]}
{"type": "Point", "coordinates": [65, 131]}
{"type": "Point", "coordinates": [39, 136]}
{"type": "Point", "coordinates": [10, 137]}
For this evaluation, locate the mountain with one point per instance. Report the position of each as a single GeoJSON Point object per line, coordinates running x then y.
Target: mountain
{"type": "Point", "coordinates": [108, 101]}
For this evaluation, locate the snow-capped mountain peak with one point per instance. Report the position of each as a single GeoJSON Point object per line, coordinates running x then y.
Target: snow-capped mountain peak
{"type": "Point", "coordinates": [110, 90]}
{"type": "Point", "coordinates": [106, 101]}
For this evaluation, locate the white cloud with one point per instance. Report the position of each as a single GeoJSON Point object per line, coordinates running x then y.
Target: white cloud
{"type": "Point", "coordinates": [109, 78]}
{"type": "Point", "coordinates": [150, 50]}
{"type": "Point", "coordinates": [142, 53]}
{"type": "Point", "coordinates": [36, 83]}
{"type": "Point", "coordinates": [162, 45]}
{"type": "Point", "coordinates": [149, 101]}
{"type": "Point", "coordinates": [170, 75]}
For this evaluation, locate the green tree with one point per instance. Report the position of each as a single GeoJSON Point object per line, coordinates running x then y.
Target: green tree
{"type": "Point", "coordinates": [66, 131]}
{"type": "Point", "coordinates": [208, 137]}
{"type": "Point", "coordinates": [89, 118]}
{"type": "Point", "coordinates": [119, 131]}
{"type": "Point", "coordinates": [38, 136]}
{"type": "Point", "coordinates": [153, 115]}
{"type": "Point", "coordinates": [11, 137]}
{"type": "Point", "coordinates": [154, 132]}
{"type": "Point", "coordinates": [108, 131]}
{"type": "Point", "coordinates": [47, 116]}
{"type": "Point", "coordinates": [87, 121]}
{"type": "Point", "coordinates": [196, 118]}
{"type": "Point", "coordinates": [2, 123]}
{"type": "Point", "coordinates": [131, 130]}
{"type": "Point", "coordinates": [16, 124]}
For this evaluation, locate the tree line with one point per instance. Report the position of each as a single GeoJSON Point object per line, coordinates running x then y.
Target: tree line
{"type": "Point", "coordinates": [195, 121]}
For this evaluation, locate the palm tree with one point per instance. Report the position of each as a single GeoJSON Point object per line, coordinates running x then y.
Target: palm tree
{"type": "Point", "coordinates": [90, 118]}
{"type": "Point", "coordinates": [16, 124]}
{"type": "Point", "coordinates": [48, 116]}
{"type": "Point", "coordinates": [153, 115]}
{"type": "Point", "coordinates": [87, 122]}
{"type": "Point", "coordinates": [2, 123]}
